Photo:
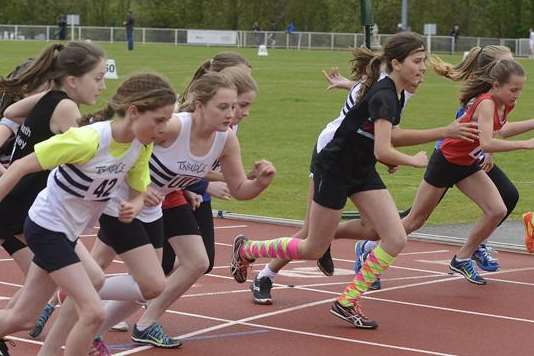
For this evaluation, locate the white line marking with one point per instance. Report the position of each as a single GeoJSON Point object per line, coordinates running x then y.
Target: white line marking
{"type": "Point", "coordinates": [231, 227]}
{"type": "Point", "coordinates": [452, 310]}
{"type": "Point", "coordinates": [5, 259]}
{"type": "Point", "coordinates": [21, 339]}
{"type": "Point", "coordinates": [423, 252]}
{"type": "Point", "coordinates": [245, 321]}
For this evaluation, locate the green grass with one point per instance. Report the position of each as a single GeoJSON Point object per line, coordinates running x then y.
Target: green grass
{"type": "Point", "coordinates": [291, 109]}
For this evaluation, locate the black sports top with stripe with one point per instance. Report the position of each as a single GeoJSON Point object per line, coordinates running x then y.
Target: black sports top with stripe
{"type": "Point", "coordinates": [35, 129]}
{"type": "Point", "coordinates": [350, 153]}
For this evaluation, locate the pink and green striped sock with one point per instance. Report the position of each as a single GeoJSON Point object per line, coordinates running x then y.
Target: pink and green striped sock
{"type": "Point", "coordinates": [285, 247]}
{"type": "Point", "coordinates": [376, 263]}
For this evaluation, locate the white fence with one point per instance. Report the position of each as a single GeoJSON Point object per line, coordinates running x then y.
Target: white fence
{"type": "Point", "coordinates": [273, 39]}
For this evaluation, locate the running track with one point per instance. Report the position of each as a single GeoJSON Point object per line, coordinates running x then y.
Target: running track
{"type": "Point", "coordinates": [421, 309]}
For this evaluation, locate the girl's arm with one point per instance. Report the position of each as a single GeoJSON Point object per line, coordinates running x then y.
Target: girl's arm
{"type": "Point", "coordinates": [467, 131]}
{"type": "Point", "coordinates": [336, 80]}
{"type": "Point", "coordinates": [129, 209]}
{"type": "Point", "coordinates": [239, 185]}
{"type": "Point", "coordinates": [21, 109]}
{"type": "Point", "coordinates": [387, 154]}
{"type": "Point", "coordinates": [484, 113]}
{"type": "Point", "coordinates": [17, 170]}
{"type": "Point", "coordinates": [515, 128]}
{"type": "Point", "coordinates": [65, 115]}
{"type": "Point", "coordinates": [5, 134]}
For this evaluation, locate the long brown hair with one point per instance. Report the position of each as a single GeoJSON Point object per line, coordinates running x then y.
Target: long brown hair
{"type": "Point", "coordinates": [146, 91]}
{"type": "Point", "coordinates": [55, 63]}
{"type": "Point", "coordinates": [482, 81]}
{"type": "Point", "coordinates": [366, 64]}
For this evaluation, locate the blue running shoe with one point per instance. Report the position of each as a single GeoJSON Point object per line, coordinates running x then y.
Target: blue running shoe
{"type": "Point", "coordinates": [41, 320]}
{"type": "Point", "coordinates": [485, 260]}
{"type": "Point", "coordinates": [361, 255]}
{"type": "Point", "coordinates": [156, 336]}
{"type": "Point", "coordinates": [468, 270]}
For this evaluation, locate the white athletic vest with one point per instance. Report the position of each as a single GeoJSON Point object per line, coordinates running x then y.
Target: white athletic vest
{"type": "Point", "coordinates": [76, 194]}
{"type": "Point", "coordinates": [174, 167]}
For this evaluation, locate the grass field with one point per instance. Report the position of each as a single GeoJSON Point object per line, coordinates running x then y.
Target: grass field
{"type": "Point", "coordinates": [292, 108]}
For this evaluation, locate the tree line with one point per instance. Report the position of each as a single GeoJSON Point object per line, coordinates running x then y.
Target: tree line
{"type": "Point", "coordinates": [486, 18]}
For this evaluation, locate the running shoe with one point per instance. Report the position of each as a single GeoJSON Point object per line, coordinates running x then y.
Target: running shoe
{"type": "Point", "coordinates": [100, 347]}
{"type": "Point", "coordinates": [156, 336]}
{"type": "Point", "coordinates": [353, 315]}
{"type": "Point", "coordinates": [361, 256]}
{"type": "Point", "coordinates": [485, 260]}
{"type": "Point", "coordinates": [468, 270]}
{"type": "Point", "coordinates": [529, 231]}
{"type": "Point", "coordinates": [120, 326]}
{"type": "Point", "coordinates": [239, 265]}
{"type": "Point", "coordinates": [325, 263]}
{"type": "Point", "coordinates": [261, 290]}
{"type": "Point", "coordinates": [40, 323]}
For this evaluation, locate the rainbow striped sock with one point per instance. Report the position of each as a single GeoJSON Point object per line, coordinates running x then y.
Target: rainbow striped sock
{"type": "Point", "coordinates": [285, 247]}
{"type": "Point", "coordinates": [376, 263]}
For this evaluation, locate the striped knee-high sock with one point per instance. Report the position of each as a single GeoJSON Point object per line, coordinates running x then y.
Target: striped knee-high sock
{"type": "Point", "coordinates": [376, 263]}
{"type": "Point", "coordinates": [285, 247]}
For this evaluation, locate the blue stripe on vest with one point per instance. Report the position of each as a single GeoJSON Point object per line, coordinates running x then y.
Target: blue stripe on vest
{"type": "Point", "coordinates": [80, 173]}
{"type": "Point", "coordinates": [162, 166]}
{"type": "Point", "coordinates": [65, 188]}
{"type": "Point", "coordinates": [71, 181]}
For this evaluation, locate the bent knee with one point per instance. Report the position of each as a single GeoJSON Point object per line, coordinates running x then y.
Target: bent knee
{"type": "Point", "coordinates": [153, 290]}
{"type": "Point", "coordinates": [92, 315]}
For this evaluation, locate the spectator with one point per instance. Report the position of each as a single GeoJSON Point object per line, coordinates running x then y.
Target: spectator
{"type": "Point", "coordinates": [455, 32]}
{"type": "Point", "coordinates": [291, 28]}
{"type": "Point", "coordinates": [129, 23]}
{"type": "Point", "coordinates": [259, 35]}
{"type": "Point", "coordinates": [62, 27]}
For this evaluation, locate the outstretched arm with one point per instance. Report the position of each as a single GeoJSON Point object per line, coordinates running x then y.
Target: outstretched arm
{"type": "Point", "coordinates": [467, 131]}
{"type": "Point", "coordinates": [516, 128]}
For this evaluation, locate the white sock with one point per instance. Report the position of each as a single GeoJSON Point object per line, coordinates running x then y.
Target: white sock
{"type": "Point", "coordinates": [122, 287]}
{"type": "Point", "coordinates": [267, 272]}
{"type": "Point", "coordinates": [117, 311]}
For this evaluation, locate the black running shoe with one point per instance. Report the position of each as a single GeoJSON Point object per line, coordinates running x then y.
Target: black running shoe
{"type": "Point", "coordinates": [4, 351]}
{"type": "Point", "coordinates": [353, 316]}
{"type": "Point", "coordinates": [261, 290]}
{"type": "Point", "coordinates": [325, 263]}
{"type": "Point", "coordinates": [239, 265]}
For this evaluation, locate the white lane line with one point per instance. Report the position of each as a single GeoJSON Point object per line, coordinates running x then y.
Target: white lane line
{"type": "Point", "coordinates": [497, 316]}
{"type": "Point", "coordinates": [231, 227]}
{"type": "Point", "coordinates": [423, 252]}
{"type": "Point", "coordinates": [245, 321]}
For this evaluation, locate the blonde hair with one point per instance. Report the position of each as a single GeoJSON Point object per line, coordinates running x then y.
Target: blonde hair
{"type": "Point", "coordinates": [241, 78]}
{"type": "Point", "coordinates": [216, 64]}
{"type": "Point", "coordinates": [476, 58]}
{"type": "Point", "coordinates": [205, 88]}
{"type": "Point", "coordinates": [482, 81]}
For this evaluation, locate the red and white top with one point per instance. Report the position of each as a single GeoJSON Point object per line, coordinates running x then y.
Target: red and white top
{"type": "Point", "coordinates": [465, 153]}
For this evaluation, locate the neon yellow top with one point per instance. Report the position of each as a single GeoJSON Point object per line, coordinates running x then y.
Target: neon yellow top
{"type": "Point", "coordinates": [80, 144]}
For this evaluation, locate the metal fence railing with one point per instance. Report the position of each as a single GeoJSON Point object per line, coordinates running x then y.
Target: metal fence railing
{"type": "Point", "coordinates": [272, 39]}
